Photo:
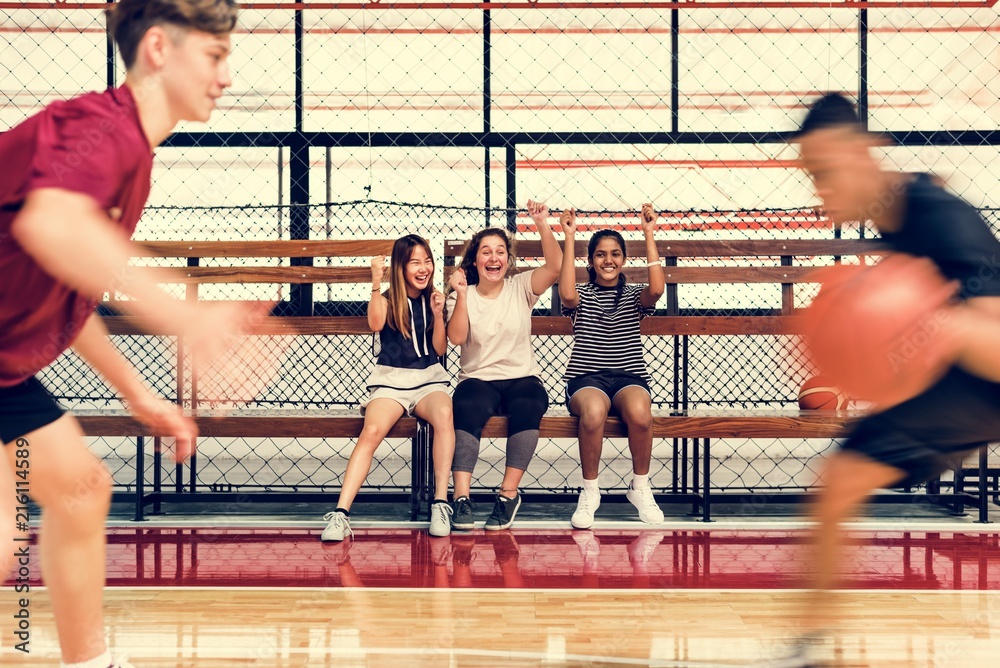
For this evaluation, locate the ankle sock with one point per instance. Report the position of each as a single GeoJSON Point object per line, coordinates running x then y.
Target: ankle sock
{"type": "Point", "coordinates": [102, 661]}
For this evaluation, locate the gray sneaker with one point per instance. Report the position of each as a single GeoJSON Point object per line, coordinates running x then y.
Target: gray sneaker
{"type": "Point", "coordinates": [503, 513]}
{"type": "Point", "coordinates": [440, 519]}
{"type": "Point", "coordinates": [337, 528]}
{"type": "Point", "coordinates": [461, 518]}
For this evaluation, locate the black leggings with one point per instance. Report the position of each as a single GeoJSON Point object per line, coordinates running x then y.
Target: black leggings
{"type": "Point", "coordinates": [522, 400]}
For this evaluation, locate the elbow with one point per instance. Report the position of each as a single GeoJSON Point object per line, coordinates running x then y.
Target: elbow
{"type": "Point", "coordinates": [455, 339]}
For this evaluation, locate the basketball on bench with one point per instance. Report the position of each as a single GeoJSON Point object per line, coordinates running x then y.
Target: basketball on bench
{"type": "Point", "coordinates": [818, 393]}
{"type": "Point", "coordinates": [880, 332]}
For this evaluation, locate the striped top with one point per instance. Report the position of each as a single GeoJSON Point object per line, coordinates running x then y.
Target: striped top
{"type": "Point", "coordinates": [417, 352]}
{"type": "Point", "coordinates": [605, 337]}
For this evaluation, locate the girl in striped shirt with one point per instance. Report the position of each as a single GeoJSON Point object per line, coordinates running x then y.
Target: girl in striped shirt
{"type": "Point", "coordinates": [606, 370]}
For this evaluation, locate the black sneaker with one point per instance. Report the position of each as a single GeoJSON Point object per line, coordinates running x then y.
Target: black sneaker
{"type": "Point", "coordinates": [461, 517]}
{"type": "Point", "coordinates": [503, 513]}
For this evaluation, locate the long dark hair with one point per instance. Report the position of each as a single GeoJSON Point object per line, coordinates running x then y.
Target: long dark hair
{"type": "Point", "coordinates": [592, 246]}
{"type": "Point", "coordinates": [398, 316]}
{"type": "Point", "coordinates": [472, 250]}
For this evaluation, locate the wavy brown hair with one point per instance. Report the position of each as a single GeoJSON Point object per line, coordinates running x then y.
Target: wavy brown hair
{"type": "Point", "coordinates": [398, 316]}
{"type": "Point", "coordinates": [471, 250]}
{"type": "Point", "coordinates": [129, 20]}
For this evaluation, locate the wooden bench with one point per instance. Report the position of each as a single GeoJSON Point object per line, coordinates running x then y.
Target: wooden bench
{"type": "Point", "coordinates": [691, 430]}
{"type": "Point", "coordinates": [786, 263]}
{"type": "Point", "coordinates": [252, 423]}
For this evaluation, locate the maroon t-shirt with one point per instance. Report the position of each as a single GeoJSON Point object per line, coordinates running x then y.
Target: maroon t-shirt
{"type": "Point", "coordinates": [92, 144]}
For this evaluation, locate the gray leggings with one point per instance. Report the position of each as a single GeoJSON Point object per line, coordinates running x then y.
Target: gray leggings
{"type": "Point", "coordinates": [522, 400]}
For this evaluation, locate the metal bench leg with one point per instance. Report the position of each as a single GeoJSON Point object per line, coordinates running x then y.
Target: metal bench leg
{"type": "Point", "coordinates": [706, 512]}
{"type": "Point", "coordinates": [984, 497]}
{"type": "Point", "coordinates": [140, 478]}
{"type": "Point", "coordinates": [416, 470]}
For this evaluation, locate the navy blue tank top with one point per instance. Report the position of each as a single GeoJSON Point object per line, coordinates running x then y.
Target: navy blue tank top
{"type": "Point", "coordinates": [417, 352]}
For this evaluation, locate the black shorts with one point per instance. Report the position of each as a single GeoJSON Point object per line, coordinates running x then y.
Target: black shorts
{"type": "Point", "coordinates": [608, 381]}
{"type": "Point", "coordinates": [25, 408]}
{"type": "Point", "coordinates": [929, 434]}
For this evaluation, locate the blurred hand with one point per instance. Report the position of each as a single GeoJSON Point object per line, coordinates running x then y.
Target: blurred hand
{"type": "Point", "coordinates": [165, 418]}
{"type": "Point", "coordinates": [234, 358]}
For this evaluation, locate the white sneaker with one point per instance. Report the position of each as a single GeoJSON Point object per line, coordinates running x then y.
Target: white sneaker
{"type": "Point", "coordinates": [440, 519]}
{"type": "Point", "coordinates": [121, 662]}
{"type": "Point", "coordinates": [644, 502]}
{"type": "Point", "coordinates": [586, 506]}
{"type": "Point", "coordinates": [337, 528]}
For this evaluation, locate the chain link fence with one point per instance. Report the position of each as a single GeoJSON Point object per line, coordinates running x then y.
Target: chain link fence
{"type": "Point", "coordinates": [439, 119]}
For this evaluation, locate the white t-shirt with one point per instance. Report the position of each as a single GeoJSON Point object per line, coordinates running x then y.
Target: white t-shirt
{"type": "Point", "coordinates": [499, 343]}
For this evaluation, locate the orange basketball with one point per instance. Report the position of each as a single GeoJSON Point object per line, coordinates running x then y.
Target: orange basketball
{"type": "Point", "coordinates": [880, 332]}
{"type": "Point", "coordinates": [818, 393]}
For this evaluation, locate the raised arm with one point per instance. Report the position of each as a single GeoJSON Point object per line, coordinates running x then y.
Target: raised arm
{"type": "Point", "coordinates": [458, 319]}
{"type": "Point", "coordinates": [378, 306]}
{"type": "Point", "coordinates": [545, 276]}
{"type": "Point", "coordinates": [568, 295]}
{"type": "Point", "coordinates": [163, 417]}
{"type": "Point", "coordinates": [654, 290]}
{"type": "Point", "coordinates": [439, 332]}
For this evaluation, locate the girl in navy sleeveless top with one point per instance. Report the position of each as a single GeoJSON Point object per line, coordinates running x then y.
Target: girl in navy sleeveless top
{"type": "Point", "coordinates": [408, 377]}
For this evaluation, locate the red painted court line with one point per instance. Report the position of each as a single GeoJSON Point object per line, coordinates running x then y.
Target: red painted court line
{"type": "Point", "coordinates": [534, 559]}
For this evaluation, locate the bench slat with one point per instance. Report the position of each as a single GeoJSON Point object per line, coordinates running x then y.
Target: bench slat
{"type": "Point", "coordinates": [686, 248]}
{"type": "Point", "coordinates": [676, 325]}
{"type": "Point", "coordinates": [253, 274]}
{"type": "Point", "coordinates": [284, 326]}
{"type": "Point", "coordinates": [701, 275]}
{"type": "Point", "coordinates": [770, 424]}
{"type": "Point", "coordinates": [540, 326]}
{"type": "Point", "coordinates": [277, 248]}
{"type": "Point", "coordinates": [269, 424]}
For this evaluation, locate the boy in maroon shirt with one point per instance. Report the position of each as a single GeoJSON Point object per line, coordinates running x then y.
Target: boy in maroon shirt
{"type": "Point", "coordinates": [76, 178]}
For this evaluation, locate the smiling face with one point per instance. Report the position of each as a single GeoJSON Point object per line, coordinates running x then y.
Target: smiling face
{"type": "Point", "coordinates": [418, 272]}
{"type": "Point", "coordinates": [607, 261]}
{"type": "Point", "coordinates": [492, 259]}
{"type": "Point", "coordinates": [195, 72]}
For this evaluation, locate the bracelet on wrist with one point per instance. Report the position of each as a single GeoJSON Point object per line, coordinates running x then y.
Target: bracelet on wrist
{"type": "Point", "coordinates": [658, 263]}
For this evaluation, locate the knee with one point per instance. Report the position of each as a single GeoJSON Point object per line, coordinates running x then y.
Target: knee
{"type": "Point", "coordinates": [86, 496]}
{"type": "Point", "coordinates": [371, 437]}
{"type": "Point", "coordinates": [638, 419]}
{"type": "Point", "coordinates": [442, 418]}
{"type": "Point", "coordinates": [592, 418]}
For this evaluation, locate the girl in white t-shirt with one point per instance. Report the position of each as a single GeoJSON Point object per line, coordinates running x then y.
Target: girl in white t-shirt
{"type": "Point", "coordinates": [489, 316]}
